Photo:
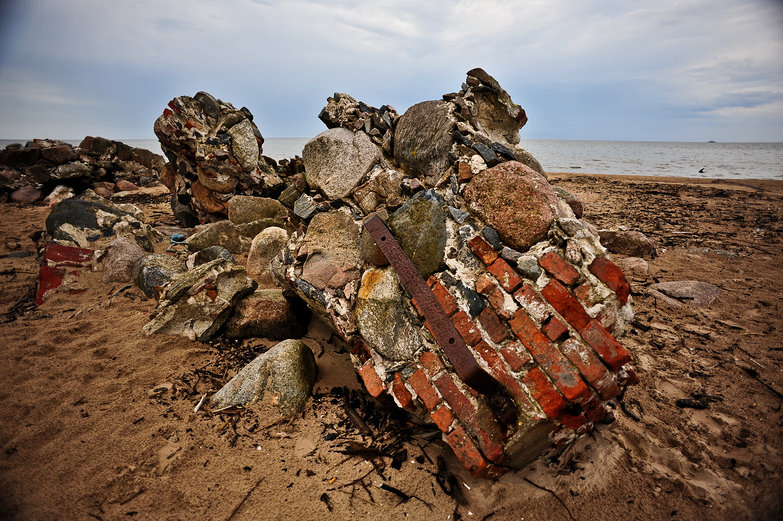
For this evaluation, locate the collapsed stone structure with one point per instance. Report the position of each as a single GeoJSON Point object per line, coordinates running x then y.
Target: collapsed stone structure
{"type": "Point", "coordinates": [527, 285]}
{"type": "Point", "coordinates": [30, 171]}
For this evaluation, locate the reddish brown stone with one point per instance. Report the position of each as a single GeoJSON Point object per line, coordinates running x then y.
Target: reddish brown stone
{"type": "Point", "coordinates": [123, 185]}
{"type": "Point", "coordinates": [514, 200]}
{"type": "Point", "coordinates": [507, 277]}
{"type": "Point", "coordinates": [610, 274]}
{"type": "Point", "coordinates": [59, 154]}
{"type": "Point", "coordinates": [207, 199]}
{"type": "Point", "coordinates": [467, 452]}
{"type": "Point", "coordinates": [559, 268]}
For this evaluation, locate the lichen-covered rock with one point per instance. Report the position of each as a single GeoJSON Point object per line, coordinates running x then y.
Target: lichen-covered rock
{"type": "Point", "coordinates": [266, 245]}
{"type": "Point", "coordinates": [420, 227]}
{"type": "Point", "coordinates": [244, 209]}
{"type": "Point", "coordinates": [336, 161]}
{"type": "Point", "coordinates": [267, 313]}
{"type": "Point", "coordinates": [493, 112]}
{"type": "Point", "coordinates": [423, 139]}
{"type": "Point", "coordinates": [283, 377]}
{"type": "Point", "coordinates": [194, 304]}
{"type": "Point", "coordinates": [209, 254]}
{"type": "Point", "coordinates": [386, 322]}
{"type": "Point", "coordinates": [151, 272]}
{"type": "Point", "coordinates": [516, 201]}
{"type": "Point", "coordinates": [331, 246]}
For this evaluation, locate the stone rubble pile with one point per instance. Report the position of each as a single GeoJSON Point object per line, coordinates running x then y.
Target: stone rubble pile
{"type": "Point", "coordinates": [523, 279]}
{"type": "Point", "coordinates": [29, 172]}
{"type": "Point", "coordinates": [525, 282]}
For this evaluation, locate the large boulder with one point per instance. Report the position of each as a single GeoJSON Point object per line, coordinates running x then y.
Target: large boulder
{"type": "Point", "coordinates": [265, 246]}
{"type": "Point", "coordinates": [151, 272]}
{"type": "Point", "coordinates": [283, 377]}
{"type": "Point", "coordinates": [267, 313]}
{"type": "Point", "coordinates": [336, 161]}
{"type": "Point", "coordinates": [423, 139]}
{"type": "Point", "coordinates": [516, 201]}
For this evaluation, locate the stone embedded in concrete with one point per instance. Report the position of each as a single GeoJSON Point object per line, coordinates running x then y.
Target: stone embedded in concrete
{"type": "Point", "coordinates": [267, 313]}
{"type": "Point", "coordinates": [420, 227]}
{"type": "Point", "coordinates": [152, 272]}
{"type": "Point", "coordinates": [423, 139]}
{"type": "Point", "coordinates": [221, 233]}
{"type": "Point", "coordinates": [282, 377]}
{"type": "Point", "coordinates": [515, 201]}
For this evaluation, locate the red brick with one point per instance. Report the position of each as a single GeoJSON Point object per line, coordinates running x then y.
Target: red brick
{"type": "Point", "coordinates": [609, 349]}
{"type": "Point", "coordinates": [516, 355]}
{"type": "Point", "coordinates": [500, 372]}
{"type": "Point", "coordinates": [505, 274]}
{"type": "Point", "coordinates": [501, 302]}
{"type": "Point", "coordinates": [432, 363]}
{"type": "Point", "coordinates": [582, 292]}
{"type": "Point", "coordinates": [480, 423]}
{"type": "Point", "coordinates": [447, 301]}
{"type": "Point", "coordinates": [492, 325]}
{"type": "Point", "coordinates": [466, 327]}
{"type": "Point", "coordinates": [534, 304]}
{"type": "Point", "coordinates": [576, 422]}
{"type": "Point", "coordinates": [559, 268]}
{"type": "Point", "coordinates": [372, 382]}
{"type": "Point", "coordinates": [544, 392]}
{"type": "Point", "coordinates": [591, 367]}
{"type": "Point", "coordinates": [627, 376]}
{"type": "Point", "coordinates": [610, 274]}
{"type": "Point", "coordinates": [67, 255]}
{"type": "Point", "coordinates": [483, 250]}
{"type": "Point", "coordinates": [467, 452]}
{"type": "Point", "coordinates": [401, 393]}
{"type": "Point", "coordinates": [597, 413]}
{"type": "Point", "coordinates": [48, 279]}
{"type": "Point", "coordinates": [443, 418]}
{"type": "Point", "coordinates": [424, 389]}
{"type": "Point", "coordinates": [566, 304]}
{"type": "Point", "coordinates": [549, 358]}
{"type": "Point", "coordinates": [554, 329]}
{"type": "Point", "coordinates": [485, 283]}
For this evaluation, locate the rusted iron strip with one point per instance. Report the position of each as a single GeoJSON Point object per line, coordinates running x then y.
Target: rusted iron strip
{"type": "Point", "coordinates": [442, 328]}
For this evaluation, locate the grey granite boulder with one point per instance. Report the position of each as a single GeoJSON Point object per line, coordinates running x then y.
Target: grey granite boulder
{"type": "Point", "coordinates": [154, 271]}
{"type": "Point", "coordinates": [221, 233]}
{"type": "Point", "coordinates": [283, 377]}
{"type": "Point", "coordinates": [423, 139]}
{"type": "Point", "coordinates": [264, 247]}
{"type": "Point", "coordinates": [336, 161]}
{"type": "Point", "coordinates": [122, 255]}
{"type": "Point", "coordinates": [244, 209]}
{"type": "Point", "coordinates": [196, 303]}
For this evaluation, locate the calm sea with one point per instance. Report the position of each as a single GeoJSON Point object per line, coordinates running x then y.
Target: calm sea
{"type": "Point", "coordinates": [715, 160]}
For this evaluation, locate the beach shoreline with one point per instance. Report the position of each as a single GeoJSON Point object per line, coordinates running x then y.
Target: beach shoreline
{"type": "Point", "coordinates": [86, 430]}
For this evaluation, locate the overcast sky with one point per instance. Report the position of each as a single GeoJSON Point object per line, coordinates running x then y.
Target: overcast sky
{"type": "Point", "coordinates": [662, 70]}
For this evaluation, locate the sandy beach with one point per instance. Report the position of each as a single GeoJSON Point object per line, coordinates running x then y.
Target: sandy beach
{"type": "Point", "coordinates": [97, 420]}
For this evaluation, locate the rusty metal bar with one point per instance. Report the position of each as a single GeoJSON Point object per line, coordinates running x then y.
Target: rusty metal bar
{"type": "Point", "coordinates": [447, 336]}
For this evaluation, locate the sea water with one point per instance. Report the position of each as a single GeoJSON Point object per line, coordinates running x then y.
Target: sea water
{"type": "Point", "coordinates": [682, 159]}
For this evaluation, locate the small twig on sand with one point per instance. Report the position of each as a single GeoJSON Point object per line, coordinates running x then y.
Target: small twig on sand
{"type": "Point", "coordinates": [200, 403]}
{"type": "Point", "coordinates": [236, 509]}
{"type": "Point", "coordinates": [570, 515]}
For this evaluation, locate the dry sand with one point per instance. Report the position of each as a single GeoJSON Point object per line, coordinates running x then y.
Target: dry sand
{"type": "Point", "coordinates": [97, 421]}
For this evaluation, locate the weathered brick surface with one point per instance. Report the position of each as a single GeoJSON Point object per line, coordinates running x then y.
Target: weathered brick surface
{"type": "Point", "coordinates": [468, 454]}
{"type": "Point", "coordinates": [609, 349]}
{"type": "Point", "coordinates": [443, 418]}
{"type": "Point", "coordinates": [549, 358]}
{"type": "Point", "coordinates": [610, 274]}
{"type": "Point", "coordinates": [446, 299]}
{"type": "Point", "coordinates": [424, 389]}
{"type": "Point", "coordinates": [534, 304]}
{"type": "Point", "coordinates": [516, 355]}
{"type": "Point", "coordinates": [559, 268]}
{"type": "Point", "coordinates": [591, 367]}
{"type": "Point", "coordinates": [493, 326]}
{"type": "Point", "coordinates": [554, 329]}
{"type": "Point", "coordinates": [432, 363]}
{"type": "Point", "coordinates": [501, 302]}
{"type": "Point", "coordinates": [485, 283]}
{"type": "Point", "coordinates": [500, 372]}
{"type": "Point", "coordinates": [544, 393]}
{"type": "Point", "coordinates": [508, 278]}
{"type": "Point", "coordinates": [582, 292]}
{"type": "Point", "coordinates": [401, 393]}
{"type": "Point", "coordinates": [372, 382]}
{"type": "Point", "coordinates": [483, 250]}
{"type": "Point", "coordinates": [467, 328]}
{"type": "Point", "coordinates": [566, 304]}
{"type": "Point", "coordinates": [480, 423]}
